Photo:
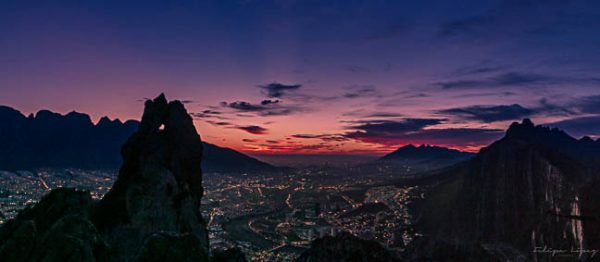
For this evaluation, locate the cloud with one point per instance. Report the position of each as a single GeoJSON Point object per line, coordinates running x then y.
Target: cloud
{"type": "Point", "coordinates": [406, 125]}
{"type": "Point", "coordinates": [252, 129]}
{"type": "Point", "coordinates": [243, 106]}
{"type": "Point", "coordinates": [307, 136]}
{"type": "Point", "coordinates": [514, 19]}
{"type": "Point", "coordinates": [580, 126]}
{"type": "Point", "coordinates": [419, 131]}
{"type": "Point", "coordinates": [218, 123]}
{"type": "Point", "coordinates": [586, 104]}
{"type": "Point", "coordinates": [481, 67]}
{"type": "Point", "coordinates": [265, 108]}
{"type": "Point", "coordinates": [551, 109]}
{"type": "Point", "coordinates": [269, 102]}
{"type": "Point", "coordinates": [249, 140]}
{"type": "Point", "coordinates": [489, 113]}
{"type": "Point", "coordinates": [208, 114]}
{"type": "Point", "coordinates": [358, 91]}
{"type": "Point", "coordinates": [277, 90]}
{"type": "Point", "coordinates": [501, 80]}
{"type": "Point", "coordinates": [293, 147]}
{"type": "Point", "coordinates": [323, 137]}
{"type": "Point", "coordinates": [384, 114]}
{"type": "Point", "coordinates": [278, 112]}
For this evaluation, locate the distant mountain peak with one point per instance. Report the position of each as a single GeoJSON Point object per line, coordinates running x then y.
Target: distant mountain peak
{"type": "Point", "coordinates": [45, 113]}
{"type": "Point", "coordinates": [105, 121]}
{"type": "Point", "coordinates": [425, 151]}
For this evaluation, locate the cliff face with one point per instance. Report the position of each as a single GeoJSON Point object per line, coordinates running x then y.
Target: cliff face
{"type": "Point", "coordinates": [522, 192]}
{"type": "Point", "coordinates": [152, 213]}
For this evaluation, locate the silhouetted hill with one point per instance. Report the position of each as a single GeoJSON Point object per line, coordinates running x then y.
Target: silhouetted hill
{"type": "Point", "coordinates": [48, 139]}
{"type": "Point", "coordinates": [222, 159]}
{"type": "Point", "coordinates": [411, 160]}
{"type": "Point", "coordinates": [424, 152]}
{"type": "Point", "coordinates": [532, 188]}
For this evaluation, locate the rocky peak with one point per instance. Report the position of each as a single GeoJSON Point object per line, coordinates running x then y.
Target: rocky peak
{"type": "Point", "coordinates": [527, 130]}
{"type": "Point", "coordinates": [78, 117]}
{"type": "Point", "coordinates": [107, 122]}
{"type": "Point", "coordinates": [160, 183]}
{"type": "Point", "coordinates": [8, 112]}
{"type": "Point", "coordinates": [546, 139]}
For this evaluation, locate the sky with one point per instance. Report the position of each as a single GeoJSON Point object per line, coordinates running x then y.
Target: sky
{"type": "Point", "coordinates": [310, 76]}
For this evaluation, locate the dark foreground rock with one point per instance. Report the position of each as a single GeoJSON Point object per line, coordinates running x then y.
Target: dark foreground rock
{"type": "Point", "coordinates": [229, 255]}
{"type": "Point", "coordinates": [56, 229]}
{"type": "Point", "coordinates": [345, 247]}
{"type": "Point", "coordinates": [152, 213]}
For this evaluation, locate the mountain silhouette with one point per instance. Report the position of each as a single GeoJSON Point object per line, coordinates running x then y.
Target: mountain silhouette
{"type": "Point", "coordinates": [534, 188]}
{"type": "Point", "coordinates": [151, 213]}
{"type": "Point", "coordinates": [52, 140]}
{"type": "Point", "coordinates": [227, 160]}
{"type": "Point", "coordinates": [412, 160]}
{"type": "Point", "coordinates": [425, 152]}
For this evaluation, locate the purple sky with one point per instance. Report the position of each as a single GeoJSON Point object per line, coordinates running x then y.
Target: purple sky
{"type": "Point", "coordinates": [299, 76]}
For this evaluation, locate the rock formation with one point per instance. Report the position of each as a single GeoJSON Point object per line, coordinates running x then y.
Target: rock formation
{"type": "Point", "coordinates": [56, 229]}
{"type": "Point", "coordinates": [159, 185]}
{"type": "Point", "coordinates": [152, 213]}
{"type": "Point", "coordinates": [229, 255]}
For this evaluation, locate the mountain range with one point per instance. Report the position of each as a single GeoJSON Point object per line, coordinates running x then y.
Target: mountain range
{"type": "Point", "coordinates": [52, 140]}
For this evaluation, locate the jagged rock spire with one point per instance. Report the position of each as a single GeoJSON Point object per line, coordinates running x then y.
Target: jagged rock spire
{"type": "Point", "coordinates": [160, 183]}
